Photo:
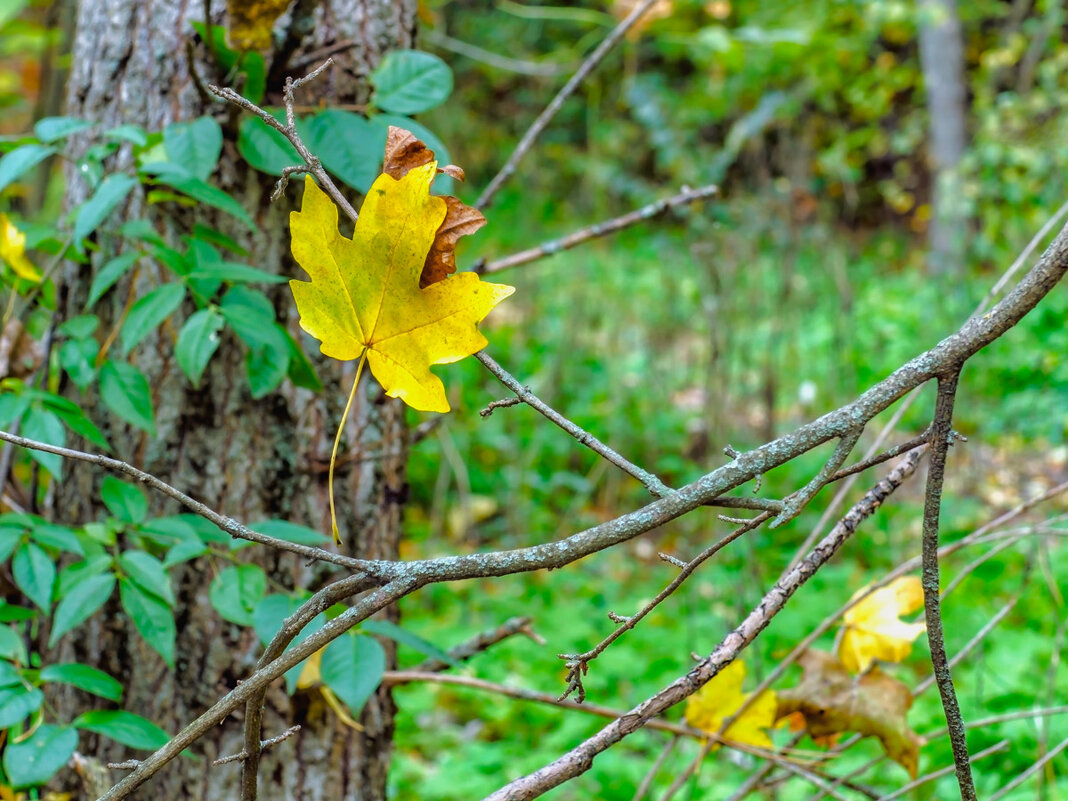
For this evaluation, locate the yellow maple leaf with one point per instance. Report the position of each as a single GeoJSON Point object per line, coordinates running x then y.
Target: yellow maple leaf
{"type": "Point", "coordinates": [722, 697]}
{"type": "Point", "coordinates": [364, 300]}
{"type": "Point", "coordinates": [874, 629]}
{"type": "Point", "coordinates": [13, 251]}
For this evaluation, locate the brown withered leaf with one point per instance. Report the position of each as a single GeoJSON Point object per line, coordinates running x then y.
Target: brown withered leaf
{"type": "Point", "coordinates": [405, 152]}
{"type": "Point", "coordinates": [251, 22]}
{"type": "Point", "coordinates": [832, 702]}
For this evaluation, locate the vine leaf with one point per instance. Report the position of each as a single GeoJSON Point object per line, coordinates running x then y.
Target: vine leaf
{"type": "Point", "coordinates": [830, 701]}
{"type": "Point", "coordinates": [722, 697]}
{"type": "Point", "coordinates": [364, 297]}
{"type": "Point", "coordinates": [874, 629]}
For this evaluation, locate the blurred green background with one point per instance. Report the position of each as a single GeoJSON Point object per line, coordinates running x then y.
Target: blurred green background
{"type": "Point", "coordinates": [803, 282]}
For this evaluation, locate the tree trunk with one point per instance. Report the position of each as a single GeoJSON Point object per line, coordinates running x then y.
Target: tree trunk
{"type": "Point", "coordinates": [249, 459]}
{"type": "Point", "coordinates": [942, 60]}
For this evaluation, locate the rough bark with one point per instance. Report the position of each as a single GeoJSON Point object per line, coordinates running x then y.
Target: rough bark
{"type": "Point", "coordinates": [942, 60]}
{"type": "Point", "coordinates": [251, 459]}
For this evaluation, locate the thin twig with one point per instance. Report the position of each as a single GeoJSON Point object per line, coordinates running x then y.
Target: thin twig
{"type": "Point", "coordinates": [289, 131]}
{"type": "Point", "coordinates": [683, 198]}
{"type": "Point", "coordinates": [227, 524]}
{"type": "Point", "coordinates": [651, 482]}
{"type": "Point", "coordinates": [578, 664]}
{"type": "Point", "coordinates": [938, 774]}
{"type": "Point", "coordinates": [1031, 770]}
{"type": "Point", "coordinates": [795, 503]}
{"type": "Point", "coordinates": [264, 745]}
{"type": "Point", "coordinates": [941, 431]}
{"type": "Point", "coordinates": [650, 775]}
{"type": "Point", "coordinates": [482, 641]}
{"type": "Point", "coordinates": [572, 84]}
{"type": "Point", "coordinates": [890, 453]}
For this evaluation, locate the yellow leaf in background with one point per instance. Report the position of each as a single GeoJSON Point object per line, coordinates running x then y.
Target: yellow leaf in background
{"type": "Point", "coordinates": [13, 251]}
{"type": "Point", "coordinates": [252, 21]}
{"type": "Point", "coordinates": [722, 697]}
{"type": "Point", "coordinates": [311, 679]}
{"type": "Point", "coordinates": [874, 629]}
{"type": "Point", "coordinates": [364, 296]}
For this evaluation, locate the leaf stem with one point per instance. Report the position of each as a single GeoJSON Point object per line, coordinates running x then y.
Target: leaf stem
{"type": "Point", "coordinates": [337, 441]}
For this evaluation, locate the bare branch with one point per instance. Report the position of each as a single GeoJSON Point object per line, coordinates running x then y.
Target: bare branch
{"type": "Point", "coordinates": [938, 774]}
{"type": "Point", "coordinates": [227, 524]}
{"type": "Point", "coordinates": [289, 131]}
{"type": "Point", "coordinates": [941, 428]}
{"type": "Point", "coordinates": [683, 198]}
{"type": "Point", "coordinates": [255, 683]}
{"type": "Point", "coordinates": [651, 482]}
{"type": "Point", "coordinates": [265, 744]}
{"type": "Point", "coordinates": [482, 641]}
{"type": "Point", "coordinates": [578, 664]}
{"type": "Point", "coordinates": [572, 84]}
{"type": "Point", "coordinates": [795, 503]}
{"type": "Point", "coordinates": [579, 759]}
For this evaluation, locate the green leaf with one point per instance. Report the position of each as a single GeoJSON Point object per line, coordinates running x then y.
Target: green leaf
{"type": "Point", "coordinates": [9, 674]}
{"type": "Point", "coordinates": [52, 129]}
{"type": "Point", "coordinates": [76, 420]}
{"type": "Point", "coordinates": [384, 628]}
{"type": "Point", "coordinates": [34, 574]}
{"type": "Point", "coordinates": [11, 646]}
{"type": "Point", "coordinates": [410, 81]}
{"type": "Point", "coordinates": [80, 603]}
{"type": "Point", "coordinates": [197, 342]}
{"type": "Point", "coordinates": [13, 613]}
{"type": "Point", "coordinates": [149, 312]}
{"type": "Point", "coordinates": [108, 195]}
{"type": "Point", "coordinates": [125, 501]}
{"type": "Point", "coordinates": [85, 678]}
{"type": "Point", "coordinates": [53, 535]}
{"type": "Point", "coordinates": [125, 391]}
{"type": "Point", "coordinates": [17, 703]}
{"type": "Point", "coordinates": [266, 149]}
{"type": "Point", "coordinates": [184, 551]}
{"type": "Point", "coordinates": [174, 176]}
{"type": "Point", "coordinates": [35, 760]}
{"type": "Point", "coordinates": [12, 407]}
{"type": "Point", "coordinates": [236, 273]}
{"type": "Point", "coordinates": [267, 365]}
{"type": "Point", "coordinates": [107, 275]}
{"type": "Point", "coordinates": [44, 426]}
{"type": "Point", "coordinates": [80, 327]}
{"type": "Point", "coordinates": [20, 161]}
{"type": "Point", "coordinates": [235, 592]}
{"type": "Point", "coordinates": [205, 233]}
{"type": "Point", "coordinates": [348, 145]}
{"type": "Point", "coordinates": [254, 66]}
{"type": "Point", "coordinates": [290, 532]}
{"type": "Point", "coordinates": [195, 145]}
{"type": "Point", "coordinates": [134, 134]}
{"type": "Point", "coordinates": [76, 357]}
{"type": "Point", "coordinates": [123, 727]}
{"type": "Point", "coordinates": [9, 538]}
{"type": "Point", "coordinates": [148, 573]}
{"type": "Point", "coordinates": [300, 371]}
{"type": "Point", "coordinates": [352, 666]}
{"type": "Point", "coordinates": [152, 617]}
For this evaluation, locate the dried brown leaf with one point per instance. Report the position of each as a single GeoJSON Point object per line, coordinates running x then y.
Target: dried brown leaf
{"type": "Point", "coordinates": [833, 701]}
{"type": "Point", "coordinates": [404, 152]}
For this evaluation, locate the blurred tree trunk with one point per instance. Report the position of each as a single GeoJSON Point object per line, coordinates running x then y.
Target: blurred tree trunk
{"type": "Point", "coordinates": [249, 459]}
{"type": "Point", "coordinates": [942, 61]}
